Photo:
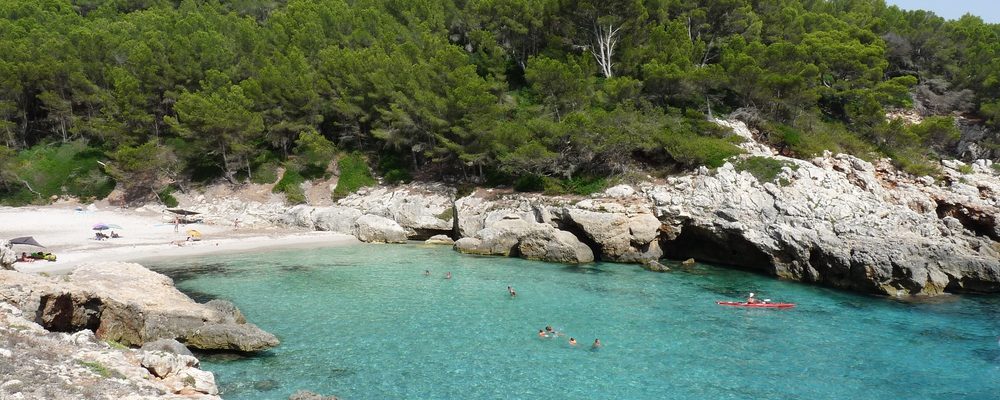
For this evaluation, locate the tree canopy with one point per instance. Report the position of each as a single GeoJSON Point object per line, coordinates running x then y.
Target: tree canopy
{"type": "Point", "coordinates": [482, 91]}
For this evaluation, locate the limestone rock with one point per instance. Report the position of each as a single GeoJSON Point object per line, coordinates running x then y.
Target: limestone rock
{"type": "Point", "coordinates": [512, 236]}
{"type": "Point", "coordinates": [167, 346]}
{"type": "Point", "coordinates": [131, 305]}
{"type": "Point", "coordinates": [7, 255]}
{"type": "Point", "coordinates": [440, 239]}
{"type": "Point", "coordinates": [620, 237]}
{"type": "Point", "coordinates": [230, 336]}
{"type": "Point", "coordinates": [337, 219]}
{"type": "Point", "coordinates": [376, 229]}
{"type": "Point", "coordinates": [421, 209]}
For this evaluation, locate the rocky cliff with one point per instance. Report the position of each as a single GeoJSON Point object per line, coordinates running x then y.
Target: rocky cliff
{"type": "Point", "coordinates": [131, 305]}
{"type": "Point", "coordinates": [835, 220]}
{"type": "Point", "coordinates": [38, 364]}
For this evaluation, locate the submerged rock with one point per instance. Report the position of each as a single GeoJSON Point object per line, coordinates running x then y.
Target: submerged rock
{"type": "Point", "coordinates": [307, 395]}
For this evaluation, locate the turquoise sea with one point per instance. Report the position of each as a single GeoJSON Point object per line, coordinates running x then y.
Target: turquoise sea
{"type": "Point", "coordinates": [364, 322]}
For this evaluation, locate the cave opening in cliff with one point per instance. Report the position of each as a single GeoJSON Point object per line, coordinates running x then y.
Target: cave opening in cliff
{"type": "Point", "coordinates": [726, 249]}
{"type": "Point", "coordinates": [981, 225]}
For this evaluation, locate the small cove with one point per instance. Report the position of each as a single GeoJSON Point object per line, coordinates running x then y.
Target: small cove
{"type": "Point", "coordinates": [363, 322]}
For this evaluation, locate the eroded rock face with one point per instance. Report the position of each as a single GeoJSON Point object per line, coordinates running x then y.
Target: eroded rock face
{"type": "Point", "coordinates": [376, 229]}
{"type": "Point", "coordinates": [840, 221]}
{"type": "Point", "coordinates": [421, 209]}
{"type": "Point", "coordinates": [39, 364]}
{"type": "Point", "coordinates": [132, 305]}
{"type": "Point", "coordinates": [628, 236]}
{"type": "Point", "coordinates": [7, 255]}
{"type": "Point", "coordinates": [514, 236]}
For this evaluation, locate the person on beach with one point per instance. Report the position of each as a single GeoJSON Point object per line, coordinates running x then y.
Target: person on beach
{"type": "Point", "coordinates": [447, 275]}
{"type": "Point", "coordinates": [25, 258]}
{"type": "Point", "coordinates": [177, 224]}
{"type": "Point", "coordinates": [596, 345]}
{"type": "Point", "coordinates": [572, 341]}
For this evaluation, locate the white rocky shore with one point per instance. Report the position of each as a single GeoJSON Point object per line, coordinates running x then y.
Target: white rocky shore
{"type": "Point", "coordinates": [835, 220]}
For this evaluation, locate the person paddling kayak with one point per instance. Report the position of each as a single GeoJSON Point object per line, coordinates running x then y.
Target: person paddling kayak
{"type": "Point", "coordinates": [752, 300]}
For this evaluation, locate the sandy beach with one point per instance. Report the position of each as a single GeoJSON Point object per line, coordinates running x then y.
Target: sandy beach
{"type": "Point", "coordinates": [146, 235]}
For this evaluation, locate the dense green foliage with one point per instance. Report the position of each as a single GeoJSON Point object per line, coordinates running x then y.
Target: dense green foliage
{"type": "Point", "coordinates": [481, 91]}
{"type": "Point", "coordinates": [354, 174]}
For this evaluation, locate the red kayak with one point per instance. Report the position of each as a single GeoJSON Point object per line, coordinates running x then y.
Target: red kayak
{"type": "Point", "coordinates": [757, 305]}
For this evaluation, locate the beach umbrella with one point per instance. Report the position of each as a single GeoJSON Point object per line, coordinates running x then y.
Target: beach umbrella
{"type": "Point", "coordinates": [194, 234]}
{"type": "Point", "coordinates": [182, 212]}
{"type": "Point", "coordinates": [26, 240]}
{"type": "Point", "coordinates": [102, 226]}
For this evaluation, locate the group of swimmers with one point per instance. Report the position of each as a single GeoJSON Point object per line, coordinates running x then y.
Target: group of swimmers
{"type": "Point", "coordinates": [447, 275]}
{"type": "Point", "coordinates": [548, 332]}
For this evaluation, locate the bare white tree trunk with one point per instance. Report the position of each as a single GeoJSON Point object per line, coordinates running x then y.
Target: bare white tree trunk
{"type": "Point", "coordinates": [604, 48]}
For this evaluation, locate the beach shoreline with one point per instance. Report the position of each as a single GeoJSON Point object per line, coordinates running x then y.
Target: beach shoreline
{"type": "Point", "coordinates": [147, 236]}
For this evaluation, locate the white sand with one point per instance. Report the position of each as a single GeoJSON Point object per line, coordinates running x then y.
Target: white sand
{"type": "Point", "coordinates": [145, 235]}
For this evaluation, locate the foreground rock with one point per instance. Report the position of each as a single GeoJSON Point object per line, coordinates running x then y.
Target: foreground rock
{"type": "Point", "coordinates": [7, 255]}
{"type": "Point", "coordinates": [38, 364]}
{"type": "Point", "coordinates": [132, 305]}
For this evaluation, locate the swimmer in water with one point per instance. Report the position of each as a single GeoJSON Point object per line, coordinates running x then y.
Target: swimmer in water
{"type": "Point", "coordinates": [427, 272]}
{"type": "Point", "coordinates": [511, 291]}
{"type": "Point", "coordinates": [596, 345]}
{"type": "Point", "coordinates": [447, 275]}
{"type": "Point", "coordinates": [572, 342]}
{"type": "Point", "coordinates": [542, 334]}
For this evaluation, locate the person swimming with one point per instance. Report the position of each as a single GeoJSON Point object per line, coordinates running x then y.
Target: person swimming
{"type": "Point", "coordinates": [427, 272]}
{"type": "Point", "coordinates": [511, 291]}
{"type": "Point", "coordinates": [572, 341]}
{"type": "Point", "coordinates": [597, 344]}
{"type": "Point", "coordinates": [447, 275]}
{"type": "Point", "coordinates": [542, 334]}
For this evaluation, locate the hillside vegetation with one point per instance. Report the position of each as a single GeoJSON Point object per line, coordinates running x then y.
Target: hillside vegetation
{"type": "Point", "coordinates": [549, 94]}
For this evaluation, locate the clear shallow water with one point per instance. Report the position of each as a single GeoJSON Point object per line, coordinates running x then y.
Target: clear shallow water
{"type": "Point", "coordinates": [363, 322]}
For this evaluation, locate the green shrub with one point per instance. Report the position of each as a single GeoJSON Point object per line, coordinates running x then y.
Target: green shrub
{"type": "Point", "coordinates": [529, 183]}
{"type": "Point", "coordinates": [70, 169]}
{"type": "Point", "coordinates": [291, 185]}
{"type": "Point", "coordinates": [694, 150]}
{"type": "Point", "coordinates": [167, 197]}
{"type": "Point", "coordinates": [394, 170]}
{"type": "Point", "coordinates": [97, 368]}
{"type": "Point", "coordinates": [266, 173]}
{"type": "Point", "coordinates": [965, 169]}
{"type": "Point", "coordinates": [914, 162]}
{"type": "Point", "coordinates": [765, 169]}
{"type": "Point", "coordinates": [996, 166]}
{"type": "Point", "coordinates": [354, 175]}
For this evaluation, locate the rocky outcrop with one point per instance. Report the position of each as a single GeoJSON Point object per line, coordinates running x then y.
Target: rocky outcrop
{"type": "Point", "coordinates": [440, 240]}
{"type": "Point", "coordinates": [7, 255]}
{"type": "Point", "coordinates": [421, 209]}
{"type": "Point", "coordinates": [38, 364]}
{"type": "Point", "coordinates": [376, 229]}
{"type": "Point", "coordinates": [515, 236]}
{"type": "Point", "coordinates": [839, 221]}
{"type": "Point", "coordinates": [129, 304]}
{"type": "Point", "coordinates": [620, 234]}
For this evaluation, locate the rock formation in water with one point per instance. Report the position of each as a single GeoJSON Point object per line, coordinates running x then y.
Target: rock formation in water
{"type": "Point", "coordinates": [38, 364]}
{"type": "Point", "coordinates": [131, 305]}
{"type": "Point", "coordinates": [834, 220]}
